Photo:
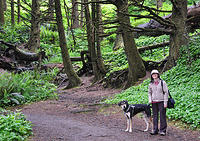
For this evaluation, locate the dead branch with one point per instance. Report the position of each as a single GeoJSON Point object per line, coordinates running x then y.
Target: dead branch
{"type": "Point", "coordinates": [142, 49]}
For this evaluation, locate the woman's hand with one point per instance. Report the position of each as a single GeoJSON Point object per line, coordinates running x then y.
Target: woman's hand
{"type": "Point", "coordinates": [165, 105]}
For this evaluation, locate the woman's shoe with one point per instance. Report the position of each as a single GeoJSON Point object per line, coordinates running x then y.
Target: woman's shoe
{"type": "Point", "coordinates": [162, 133]}
{"type": "Point", "coordinates": [154, 133]}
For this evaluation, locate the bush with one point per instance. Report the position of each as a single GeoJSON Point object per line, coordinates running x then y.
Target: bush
{"type": "Point", "coordinates": [26, 87]}
{"type": "Point", "coordinates": [14, 127]}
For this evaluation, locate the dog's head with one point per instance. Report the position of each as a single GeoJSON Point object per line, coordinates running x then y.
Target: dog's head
{"type": "Point", "coordinates": [123, 104]}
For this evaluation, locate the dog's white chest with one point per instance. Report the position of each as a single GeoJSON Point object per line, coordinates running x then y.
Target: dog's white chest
{"type": "Point", "coordinates": [128, 114]}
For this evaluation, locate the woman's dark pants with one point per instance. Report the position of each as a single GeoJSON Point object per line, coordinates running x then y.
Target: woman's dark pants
{"type": "Point", "coordinates": [158, 108]}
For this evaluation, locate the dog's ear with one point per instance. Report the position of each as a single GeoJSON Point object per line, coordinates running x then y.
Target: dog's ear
{"type": "Point", "coordinates": [125, 102]}
{"type": "Point", "coordinates": [122, 102]}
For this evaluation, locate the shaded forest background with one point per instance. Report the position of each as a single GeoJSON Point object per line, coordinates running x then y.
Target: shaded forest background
{"type": "Point", "coordinates": [83, 28]}
{"type": "Point", "coordinates": [46, 43]}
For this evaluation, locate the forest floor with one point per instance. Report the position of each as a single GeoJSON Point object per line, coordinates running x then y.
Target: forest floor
{"type": "Point", "coordinates": [78, 115]}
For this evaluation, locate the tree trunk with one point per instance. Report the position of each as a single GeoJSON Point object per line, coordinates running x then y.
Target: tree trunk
{"type": "Point", "coordinates": [51, 9]}
{"type": "Point", "coordinates": [100, 20]}
{"type": "Point", "coordinates": [100, 63]}
{"type": "Point", "coordinates": [5, 5]}
{"type": "Point", "coordinates": [93, 49]}
{"type": "Point", "coordinates": [159, 4]}
{"type": "Point", "coordinates": [97, 63]}
{"type": "Point", "coordinates": [2, 20]}
{"type": "Point", "coordinates": [12, 12]}
{"type": "Point", "coordinates": [34, 41]}
{"type": "Point", "coordinates": [18, 11]}
{"type": "Point", "coordinates": [75, 15]}
{"type": "Point", "coordinates": [89, 27]}
{"type": "Point", "coordinates": [180, 36]}
{"type": "Point", "coordinates": [136, 66]}
{"type": "Point", "coordinates": [74, 80]}
{"type": "Point", "coordinates": [119, 43]}
{"type": "Point", "coordinates": [82, 14]}
{"type": "Point", "coordinates": [20, 54]}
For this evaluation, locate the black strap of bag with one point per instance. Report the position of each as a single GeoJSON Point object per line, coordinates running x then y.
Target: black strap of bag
{"type": "Point", "coordinates": [163, 90]}
{"type": "Point", "coordinates": [171, 101]}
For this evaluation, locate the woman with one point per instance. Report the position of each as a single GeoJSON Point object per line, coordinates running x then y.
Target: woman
{"type": "Point", "coordinates": [158, 97]}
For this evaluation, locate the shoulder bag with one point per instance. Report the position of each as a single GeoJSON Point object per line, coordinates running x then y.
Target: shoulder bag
{"type": "Point", "coordinates": [171, 101]}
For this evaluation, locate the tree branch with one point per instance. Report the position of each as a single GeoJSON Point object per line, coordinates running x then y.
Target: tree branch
{"type": "Point", "coordinates": [142, 49]}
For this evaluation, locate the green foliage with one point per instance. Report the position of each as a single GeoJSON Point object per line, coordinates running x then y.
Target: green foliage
{"type": "Point", "coordinates": [80, 42]}
{"type": "Point", "coordinates": [156, 54]}
{"type": "Point", "coordinates": [26, 87]}
{"type": "Point", "coordinates": [116, 60]}
{"type": "Point", "coordinates": [183, 82]}
{"type": "Point", "coordinates": [14, 127]}
{"type": "Point", "coordinates": [15, 34]}
{"type": "Point", "coordinates": [48, 36]}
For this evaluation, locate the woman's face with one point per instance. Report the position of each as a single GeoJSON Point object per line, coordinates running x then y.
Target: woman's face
{"type": "Point", "coordinates": [154, 75]}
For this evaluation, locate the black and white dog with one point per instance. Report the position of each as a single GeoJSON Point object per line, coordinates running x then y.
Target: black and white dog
{"type": "Point", "coordinates": [131, 110]}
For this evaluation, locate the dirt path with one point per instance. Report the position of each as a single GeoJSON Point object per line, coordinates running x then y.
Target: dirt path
{"type": "Point", "coordinates": [78, 116]}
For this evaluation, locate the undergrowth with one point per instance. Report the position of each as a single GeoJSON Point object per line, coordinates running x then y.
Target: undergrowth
{"type": "Point", "coordinates": [184, 84]}
{"type": "Point", "coordinates": [17, 89]}
{"type": "Point", "coordinates": [116, 60]}
{"type": "Point", "coordinates": [14, 126]}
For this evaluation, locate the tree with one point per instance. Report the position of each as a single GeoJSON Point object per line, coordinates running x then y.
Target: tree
{"type": "Point", "coordinates": [2, 20]}
{"type": "Point", "coordinates": [12, 12]}
{"type": "Point", "coordinates": [50, 9]}
{"type": "Point", "coordinates": [136, 68]}
{"type": "Point", "coordinates": [95, 53]}
{"type": "Point", "coordinates": [119, 43]}
{"type": "Point", "coordinates": [173, 25]}
{"type": "Point", "coordinates": [34, 40]}
{"type": "Point", "coordinates": [75, 14]}
{"type": "Point", "coordinates": [82, 13]}
{"type": "Point", "coordinates": [98, 28]}
{"type": "Point", "coordinates": [5, 5]}
{"type": "Point", "coordinates": [74, 80]}
{"type": "Point", "coordinates": [18, 11]}
{"type": "Point", "coordinates": [180, 35]}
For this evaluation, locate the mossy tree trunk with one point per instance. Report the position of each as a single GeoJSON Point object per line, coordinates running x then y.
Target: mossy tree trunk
{"type": "Point", "coordinates": [12, 12]}
{"type": "Point", "coordinates": [180, 35]}
{"type": "Point", "coordinates": [75, 15]}
{"type": "Point", "coordinates": [74, 80]}
{"type": "Point", "coordinates": [18, 11]}
{"type": "Point", "coordinates": [97, 63]}
{"type": "Point", "coordinates": [2, 19]}
{"type": "Point", "coordinates": [97, 19]}
{"type": "Point", "coordinates": [34, 40]}
{"type": "Point", "coordinates": [50, 10]}
{"type": "Point", "coordinates": [136, 68]}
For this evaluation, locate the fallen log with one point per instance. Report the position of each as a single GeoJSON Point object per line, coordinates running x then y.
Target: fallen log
{"type": "Point", "coordinates": [19, 54]}
{"type": "Point", "coordinates": [6, 65]}
{"type": "Point", "coordinates": [192, 23]}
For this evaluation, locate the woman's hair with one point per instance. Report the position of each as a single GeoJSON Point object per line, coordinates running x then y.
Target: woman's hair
{"type": "Point", "coordinates": [152, 80]}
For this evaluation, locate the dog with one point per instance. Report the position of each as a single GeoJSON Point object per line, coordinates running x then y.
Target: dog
{"type": "Point", "coordinates": [131, 110]}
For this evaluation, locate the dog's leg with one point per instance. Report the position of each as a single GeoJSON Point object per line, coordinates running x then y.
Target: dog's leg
{"type": "Point", "coordinates": [130, 129]}
{"type": "Point", "coordinates": [147, 123]}
{"type": "Point", "coordinates": [128, 124]}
